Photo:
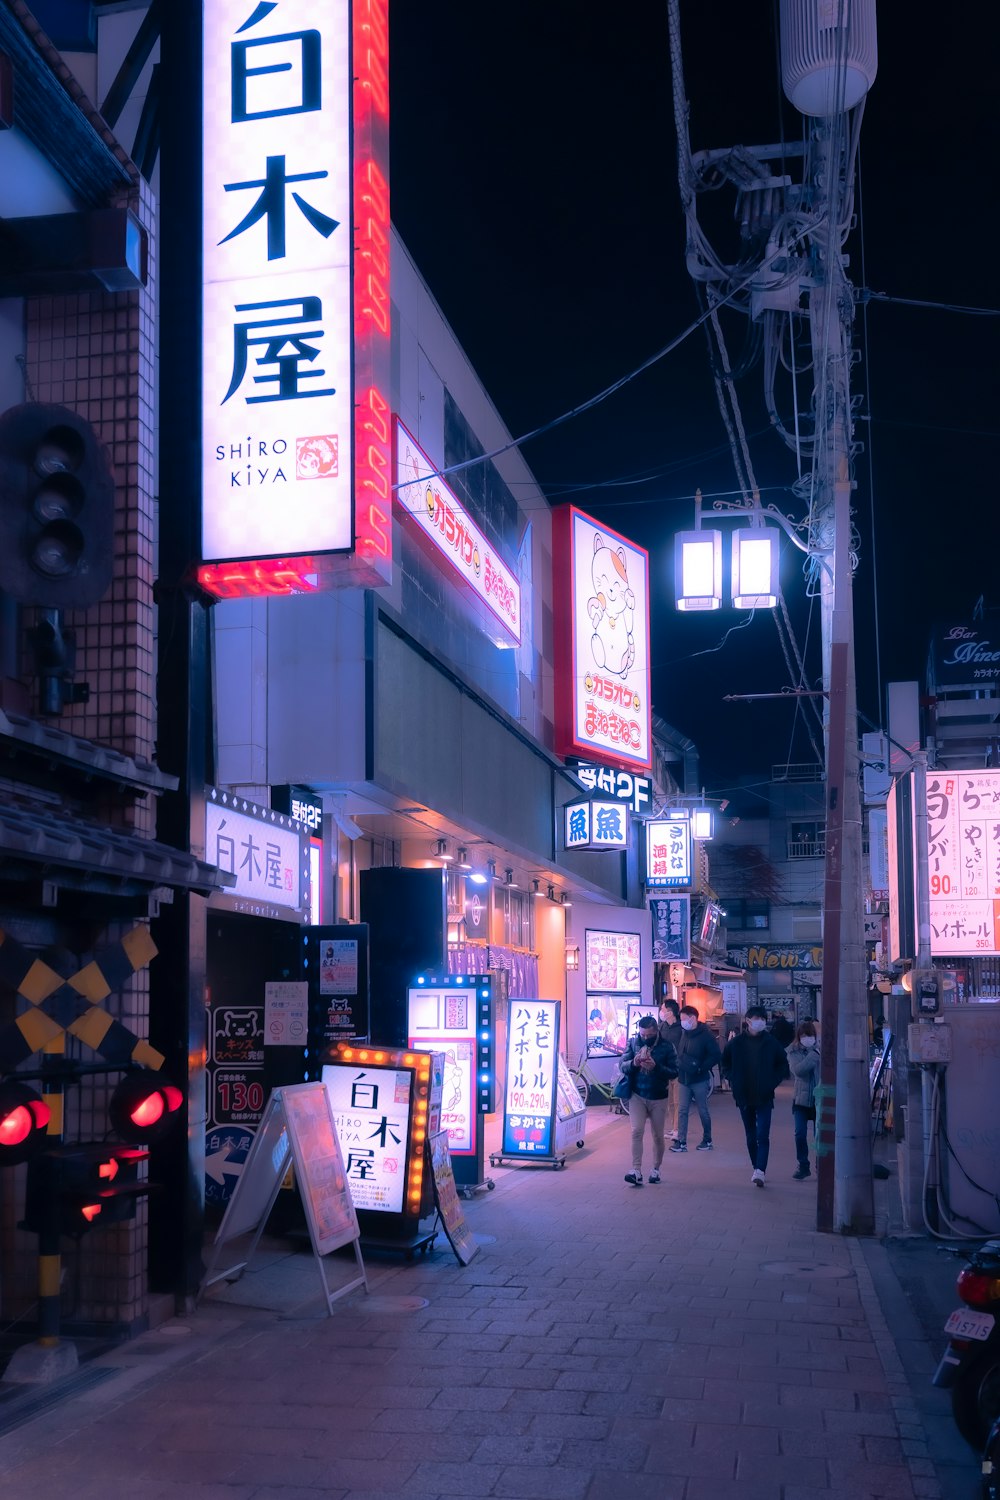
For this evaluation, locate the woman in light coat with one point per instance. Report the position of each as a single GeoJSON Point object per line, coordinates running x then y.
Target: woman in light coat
{"type": "Point", "coordinates": [803, 1060]}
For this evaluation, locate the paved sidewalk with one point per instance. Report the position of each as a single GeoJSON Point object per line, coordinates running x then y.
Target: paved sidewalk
{"type": "Point", "coordinates": [695, 1340]}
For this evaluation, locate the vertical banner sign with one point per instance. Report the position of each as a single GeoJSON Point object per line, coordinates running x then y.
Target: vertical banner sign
{"type": "Point", "coordinates": [532, 1058]}
{"type": "Point", "coordinates": [602, 643]}
{"type": "Point", "coordinates": [287, 320]}
{"type": "Point", "coordinates": [671, 928]}
{"type": "Point", "coordinates": [963, 860]}
{"type": "Point", "coordinates": [668, 852]}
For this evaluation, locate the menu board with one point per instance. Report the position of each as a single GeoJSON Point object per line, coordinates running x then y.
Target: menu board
{"type": "Point", "coordinates": [456, 1227]}
{"type": "Point", "coordinates": [319, 1167]}
{"type": "Point", "coordinates": [607, 1024]}
{"type": "Point", "coordinates": [568, 1100]}
{"type": "Point", "coordinates": [613, 961]}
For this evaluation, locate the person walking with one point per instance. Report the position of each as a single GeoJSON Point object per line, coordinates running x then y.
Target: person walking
{"type": "Point", "coordinates": [803, 1060]}
{"type": "Point", "coordinates": [649, 1064]}
{"type": "Point", "coordinates": [670, 1031]}
{"type": "Point", "coordinates": [697, 1054]}
{"type": "Point", "coordinates": [755, 1064]}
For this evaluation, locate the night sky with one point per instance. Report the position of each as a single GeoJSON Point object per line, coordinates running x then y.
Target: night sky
{"type": "Point", "coordinates": [534, 181]}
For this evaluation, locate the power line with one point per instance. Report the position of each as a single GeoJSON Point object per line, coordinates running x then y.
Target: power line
{"type": "Point", "coordinates": [867, 295]}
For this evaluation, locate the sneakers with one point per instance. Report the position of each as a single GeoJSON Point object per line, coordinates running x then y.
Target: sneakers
{"type": "Point", "coordinates": [679, 1146]}
{"type": "Point", "coordinates": [758, 1178]}
{"type": "Point", "coordinates": [802, 1173]}
{"type": "Point", "coordinates": [654, 1176]}
{"type": "Point", "coordinates": [635, 1178]}
{"type": "Point", "coordinates": [704, 1146]}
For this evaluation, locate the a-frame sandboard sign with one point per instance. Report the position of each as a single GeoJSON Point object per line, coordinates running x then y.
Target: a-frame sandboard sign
{"type": "Point", "coordinates": [297, 1127]}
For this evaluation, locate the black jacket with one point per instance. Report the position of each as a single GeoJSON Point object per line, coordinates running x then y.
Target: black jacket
{"type": "Point", "coordinates": [754, 1065]}
{"type": "Point", "coordinates": [671, 1031]}
{"type": "Point", "coordinates": [654, 1084]}
{"type": "Point", "coordinates": [697, 1054]}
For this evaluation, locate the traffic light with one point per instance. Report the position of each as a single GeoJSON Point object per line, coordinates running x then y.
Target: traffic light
{"type": "Point", "coordinates": [23, 1119]}
{"type": "Point", "coordinates": [71, 1189]}
{"type": "Point", "coordinates": [145, 1107]}
{"type": "Point", "coordinates": [57, 499]}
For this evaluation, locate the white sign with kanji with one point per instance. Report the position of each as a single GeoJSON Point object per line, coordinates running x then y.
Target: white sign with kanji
{"type": "Point", "coordinates": [276, 300]}
{"type": "Point", "coordinates": [963, 861]}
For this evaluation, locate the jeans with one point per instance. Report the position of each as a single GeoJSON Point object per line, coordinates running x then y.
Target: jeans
{"type": "Point", "coordinates": [639, 1111]}
{"type": "Point", "coordinates": [699, 1092]}
{"type": "Point", "coordinates": [801, 1115]}
{"type": "Point", "coordinates": [757, 1125]}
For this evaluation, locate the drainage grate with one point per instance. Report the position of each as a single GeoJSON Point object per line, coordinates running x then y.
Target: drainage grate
{"type": "Point", "coordinates": [805, 1268]}
{"type": "Point", "coordinates": [18, 1407]}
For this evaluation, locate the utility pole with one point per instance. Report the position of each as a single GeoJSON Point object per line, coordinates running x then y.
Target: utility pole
{"type": "Point", "coordinates": [845, 1200]}
{"type": "Point", "coordinates": [791, 267]}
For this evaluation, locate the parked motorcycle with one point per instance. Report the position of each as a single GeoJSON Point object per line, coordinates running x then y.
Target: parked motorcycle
{"type": "Point", "coordinates": [991, 1465]}
{"type": "Point", "coordinates": [970, 1366]}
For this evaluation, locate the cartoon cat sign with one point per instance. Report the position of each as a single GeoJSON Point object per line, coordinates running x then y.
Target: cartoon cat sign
{"type": "Point", "coordinates": [602, 642]}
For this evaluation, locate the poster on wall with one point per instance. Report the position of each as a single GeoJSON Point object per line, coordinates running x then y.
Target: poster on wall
{"type": "Point", "coordinates": [338, 968]}
{"type": "Point", "coordinates": [607, 1024]}
{"type": "Point", "coordinates": [613, 961]}
{"type": "Point", "coordinates": [601, 643]}
{"type": "Point", "coordinates": [532, 1060]}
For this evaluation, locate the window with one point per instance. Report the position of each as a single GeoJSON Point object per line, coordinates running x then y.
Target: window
{"type": "Point", "coordinates": [806, 840]}
{"type": "Point", "coordinates": [518, 914]}
{"type": "Point", "coordinates": [748, 916]}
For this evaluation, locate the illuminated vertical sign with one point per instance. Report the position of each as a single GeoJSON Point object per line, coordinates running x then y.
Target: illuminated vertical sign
{"type": "Point", "coordinates": [295, 340]}
{"type": "Point", "coordinates": [963, 859]}
{"type": "Point", "coordinates": [668, 852]}
{"type": "Point", "coordinates": [532, 1058]}
{"type": "Point", "coordinates": [602, 642]}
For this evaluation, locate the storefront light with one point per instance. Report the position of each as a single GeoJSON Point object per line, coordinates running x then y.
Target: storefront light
{"type": "Point", "coordinates": [702, 823]}
{"type": "Point", "coordinates": [478, 878]}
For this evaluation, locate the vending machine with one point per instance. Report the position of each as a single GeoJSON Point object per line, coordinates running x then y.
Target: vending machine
{"type": "Point", "coordinates": [454, 1015]}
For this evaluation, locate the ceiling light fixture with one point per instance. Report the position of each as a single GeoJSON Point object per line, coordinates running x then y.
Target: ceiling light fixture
{"type": "Point", "coordinates": [508, 876]}
{"type": "Point", "coordinates": [478, 878]}
{"type": "Point", "coordinates": [491, 868]}
{"type": "Point", "coordinates": [565, 899]}
{"type": "Point", "coordinates": [463, 859]}
{"type": "Point", "coordinates": [536, 887]}
{"type": "Point", "coordinates": [551, 893]}
{"type": "Point", "coordinates": [442, 851]}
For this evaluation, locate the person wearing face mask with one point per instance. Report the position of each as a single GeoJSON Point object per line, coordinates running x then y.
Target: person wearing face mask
{"type": "Point", "coordinates": [670, 1031]}
{"type": "Point", "coordinates": [649, 1064]}
{"type": "Point", "coordinates": [803, 1059]}
{"type": "Point", "coordinates": [755, 1064]}
{"type": "Point", "coordinates": [697, 1054]}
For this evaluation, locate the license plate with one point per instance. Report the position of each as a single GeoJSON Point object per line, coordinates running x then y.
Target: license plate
{"type": "Point", "coordinates": [969, 1325]}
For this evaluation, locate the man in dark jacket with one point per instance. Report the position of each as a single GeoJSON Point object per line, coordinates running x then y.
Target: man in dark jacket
{"type": "Point", "coordinates": [649, 1064]}
{"type": "Point", "coordinates": [755, 1063]}
{"type": "Point", "coordinates": [697, 1054]}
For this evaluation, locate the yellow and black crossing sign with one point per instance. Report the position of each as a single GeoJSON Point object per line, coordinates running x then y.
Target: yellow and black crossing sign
{"type": "Point", "coordinates": [70, 1004]}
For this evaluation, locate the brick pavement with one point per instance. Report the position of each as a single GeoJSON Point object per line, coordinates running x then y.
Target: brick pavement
{"type": "Point", "coordinates": [696, 1340]}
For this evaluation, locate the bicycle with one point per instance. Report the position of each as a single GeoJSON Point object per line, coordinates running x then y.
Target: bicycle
{"type": "Point", "coordinates": [587, 1082]}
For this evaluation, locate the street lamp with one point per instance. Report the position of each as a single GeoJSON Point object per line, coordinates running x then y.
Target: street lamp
{"type": "Point", "coordinates": [755, 557]}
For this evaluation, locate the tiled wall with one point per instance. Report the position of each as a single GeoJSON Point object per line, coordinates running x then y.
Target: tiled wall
{"type": "Point", "coordinates": [94, 353]}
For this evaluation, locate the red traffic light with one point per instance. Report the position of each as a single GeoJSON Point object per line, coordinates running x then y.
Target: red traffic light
{"type": "Point", "coordinates": [23, 1119]}
{"type": "Point", "coordinates": [71, 1189]}
{"type": "Point", "coordinates": [144, 1107]}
